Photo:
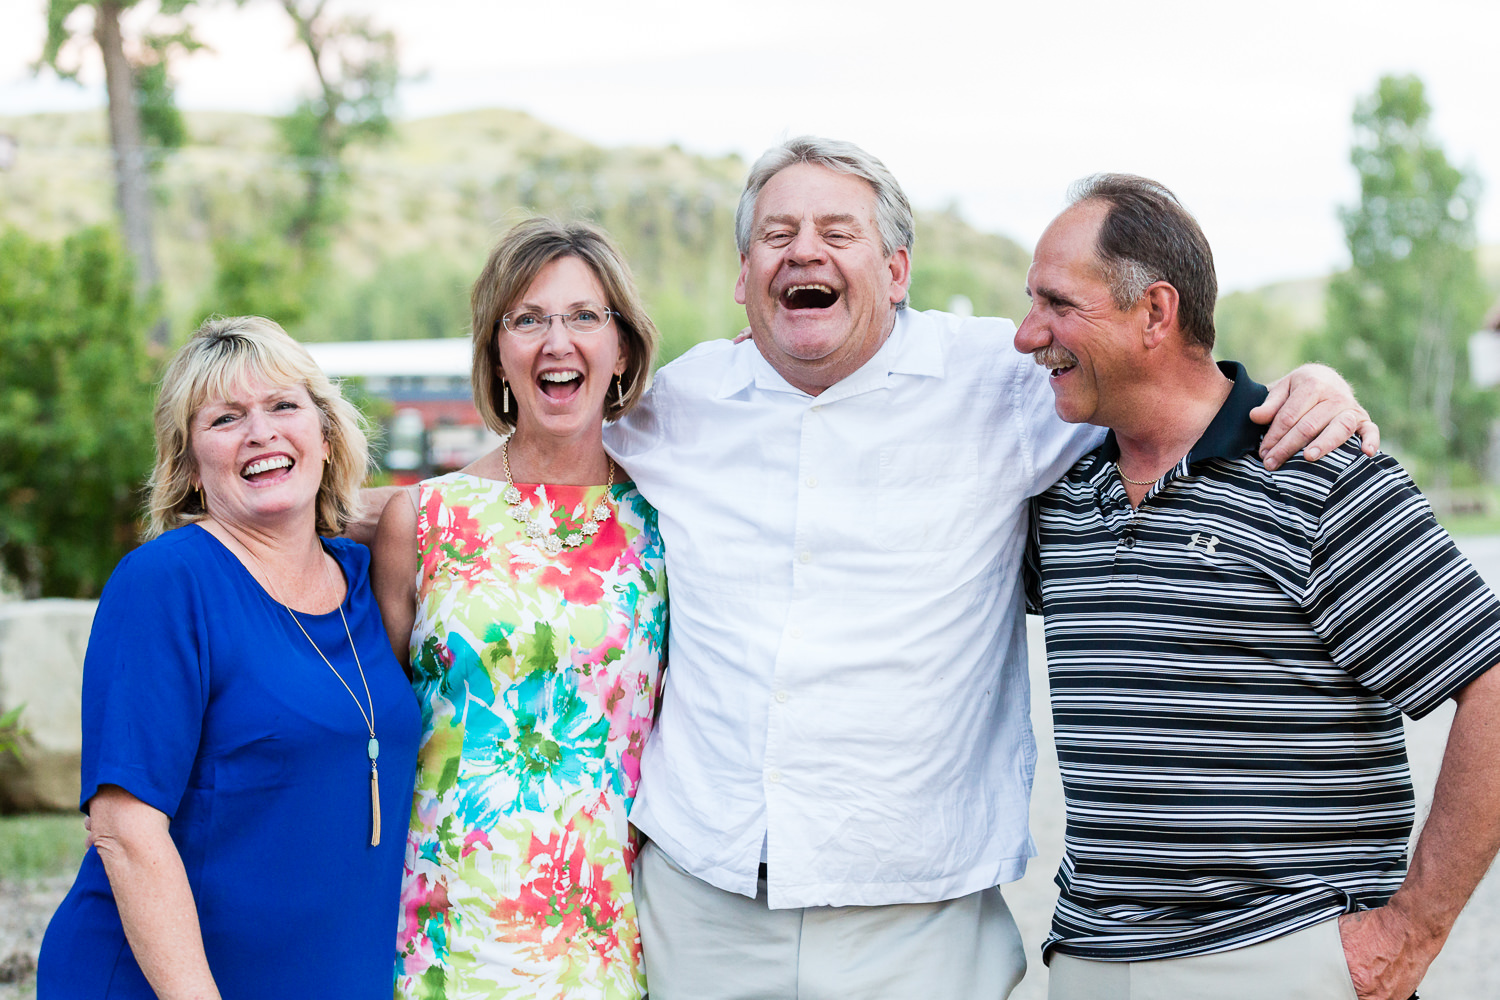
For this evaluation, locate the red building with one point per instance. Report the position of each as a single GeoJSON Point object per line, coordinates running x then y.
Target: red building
{"type": "Point", "coordinates": [435, 427]}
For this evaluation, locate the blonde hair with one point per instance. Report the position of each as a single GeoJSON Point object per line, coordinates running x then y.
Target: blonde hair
{"type": "Point", "coordinates": [219, 357]}
{"type": "Point", "coordinates": [511, 268]}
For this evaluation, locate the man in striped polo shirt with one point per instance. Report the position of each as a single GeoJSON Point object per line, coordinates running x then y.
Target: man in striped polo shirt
{"type": "Point", "coordinates": [1230, 652]}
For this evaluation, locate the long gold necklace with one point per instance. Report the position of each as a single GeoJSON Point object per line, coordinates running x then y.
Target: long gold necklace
{"type": "Point", "coordinates": [373, 747]}
{"type": "Point", "coordinates": [547, 537]}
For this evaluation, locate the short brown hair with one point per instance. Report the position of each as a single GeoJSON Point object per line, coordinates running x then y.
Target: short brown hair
{"type": "Point", "coordinates": [1146, 237]}
{"type": "Point", "coordinates": [218, 357]}
{"type": "Point", "coordinates": [511, 268]}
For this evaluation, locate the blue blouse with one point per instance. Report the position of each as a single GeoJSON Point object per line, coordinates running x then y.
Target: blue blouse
{"type": "Point", "coordinates": [203, 699]}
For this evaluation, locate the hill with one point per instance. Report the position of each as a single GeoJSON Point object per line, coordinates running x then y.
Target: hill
{"type": "Point", "coordinates": [425, 206]}
{"type": "Point", "coordinates": [1265, 327]}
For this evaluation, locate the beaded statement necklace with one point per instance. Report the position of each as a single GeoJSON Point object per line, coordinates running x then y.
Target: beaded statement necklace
{"type": "Point", "coordinates": [372, 749]}
{"type": "Point", "coordinates": [537, 526]}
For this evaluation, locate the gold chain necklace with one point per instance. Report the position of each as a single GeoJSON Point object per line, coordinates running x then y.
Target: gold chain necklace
{"type": "Point", "coordinates": [373, 747]}
{"type": "Point", "coordinates": [1135, 482]}
{"type": "Point", "coordinates": [547, 537]}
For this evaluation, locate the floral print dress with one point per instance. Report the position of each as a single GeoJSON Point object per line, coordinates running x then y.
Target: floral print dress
{"type": "Point", "coordinates": [538, 676]}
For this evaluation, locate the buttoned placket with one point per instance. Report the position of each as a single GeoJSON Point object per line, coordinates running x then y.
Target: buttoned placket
{"type": "Point", "coordinates": [813, 498]}
{"type": "Point", "coordinates": [1122, 520]}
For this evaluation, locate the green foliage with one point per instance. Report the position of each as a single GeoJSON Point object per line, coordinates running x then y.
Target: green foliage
{"type": "Point", "coordinates": [11, 733]}
{"type": "Point", "coordinates": [275, 267]}
{"type": "Point", "coordinates": [1252, 330]}
{"type": "Point", "coordinates": [259, 276]}
{"type": "Point", "coordinates": [355, 63]}
{"type": "Point", "coordinates": [1399, 318]}
{"type": "Point", "coordinates": [423, 211]}
{"type": "Point", "coordinates": [40, 846]}
{"type": "Point", "coordinates": [416, 295]}
{"type": "Point", "coordinates": [161, 122]}
{"type": "Point", "coordinates": [75, 411]}
{"type": "Point", "coordinates": [162, 125]}
{"type": "Point", "coordinates": [951, 258]}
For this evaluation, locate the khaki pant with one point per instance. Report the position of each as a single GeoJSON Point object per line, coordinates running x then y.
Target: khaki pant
{"type": "Point", "coordinates": [1306, 965]}
{"type": "Point", "coordinates": [702, 943]}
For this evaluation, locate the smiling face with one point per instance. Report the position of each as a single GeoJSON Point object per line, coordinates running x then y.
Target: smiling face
{"type": "Point", "coordinates": [559, 378]}
{"type": "Point", "coordinates": [259, 454]}
{"type": "Point", "coordinates": [1074, 327]}
{"type": "Point", "coordinates": [819, 291]}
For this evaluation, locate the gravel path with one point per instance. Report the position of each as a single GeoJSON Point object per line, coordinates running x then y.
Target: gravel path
{"type": "Point", "coordinates": [23, 917]}
{"type": "Point", "coordinates": [1468, 968]}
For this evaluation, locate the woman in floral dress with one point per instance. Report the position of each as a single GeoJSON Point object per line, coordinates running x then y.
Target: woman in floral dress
{"type": "Point", "coordinates": [526, 594]}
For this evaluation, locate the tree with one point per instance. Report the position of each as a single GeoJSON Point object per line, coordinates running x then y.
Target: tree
{"type": "Point", "coordinates": [140, 109]}
{"type": "Point", "coordinates": [1399, 318]}
{"type": "Point", "coordinates": [75, 411]}
{"type": "Point", "coordinates": [275, 271]}
{"type": "Point", "coordinates": [355, 64]}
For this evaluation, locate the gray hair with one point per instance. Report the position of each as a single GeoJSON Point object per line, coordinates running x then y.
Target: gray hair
{"type": "Point", "coordinates": [1147, 236]}
{"type": "Point", "coordinates": [893, 214]}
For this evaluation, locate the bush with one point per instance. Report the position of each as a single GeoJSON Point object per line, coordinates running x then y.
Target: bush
{"type": "Point", "coordinates": [75, 411]}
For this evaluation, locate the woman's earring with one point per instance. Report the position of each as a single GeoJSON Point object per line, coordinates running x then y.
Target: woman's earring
{"type": "Point", "coordinates": [620, 390]}
{"type": "Point", "coordinates": [504, 395]}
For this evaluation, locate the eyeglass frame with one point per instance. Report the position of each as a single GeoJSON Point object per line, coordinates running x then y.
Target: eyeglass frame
{"type": "Point", "coordinates": [504, 321]}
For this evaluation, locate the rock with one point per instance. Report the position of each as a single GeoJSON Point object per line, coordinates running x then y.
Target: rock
{"type": "Point", "coordinates": [41, 666]}
{"type": "Point", "coordinates": [17, 966]}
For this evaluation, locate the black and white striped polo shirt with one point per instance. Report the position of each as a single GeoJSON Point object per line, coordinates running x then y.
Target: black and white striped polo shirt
{"type": "Point", "coordinates": [1229, 663]}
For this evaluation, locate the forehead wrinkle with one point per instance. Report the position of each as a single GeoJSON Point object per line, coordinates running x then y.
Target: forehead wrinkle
{"type": "Point", "coordinates": [826, 219]}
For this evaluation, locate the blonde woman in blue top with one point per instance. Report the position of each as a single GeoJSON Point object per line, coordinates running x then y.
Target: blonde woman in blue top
{"type": "Point", "coordinates": [249, 740]}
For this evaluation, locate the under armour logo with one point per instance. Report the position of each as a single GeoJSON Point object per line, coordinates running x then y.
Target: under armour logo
{"type": "Point", "coordinates": [1210, 542]}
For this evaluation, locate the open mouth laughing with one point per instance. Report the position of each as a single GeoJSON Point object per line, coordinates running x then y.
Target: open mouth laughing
{"type": "Point", "coordinates": [809, 296]}
{"type": "Point", "coordinates": [560, 383]}
{"type": "Point", "coordinates": [266, 468]}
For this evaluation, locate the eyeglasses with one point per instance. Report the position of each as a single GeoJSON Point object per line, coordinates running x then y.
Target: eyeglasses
{"type": "Point", "coordinates": [530, 323]}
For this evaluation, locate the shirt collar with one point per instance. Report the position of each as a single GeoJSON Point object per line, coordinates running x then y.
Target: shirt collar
{"type": "Point", "coordinates": [913, 348]}
{"type": "Point", "coordinates": [1230, 434]}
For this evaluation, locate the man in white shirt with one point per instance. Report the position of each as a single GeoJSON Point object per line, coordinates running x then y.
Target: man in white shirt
{"type": "Point", "coordinates": [839, 779]}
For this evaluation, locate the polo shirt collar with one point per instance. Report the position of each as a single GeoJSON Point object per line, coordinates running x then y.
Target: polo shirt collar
{"type": "Point", "coordinates": [1230, 434]}
{"type": "Point", "coordinates": [913, 348]}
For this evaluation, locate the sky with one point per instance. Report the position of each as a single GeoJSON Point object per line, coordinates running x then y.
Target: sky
{"type": "Point", "coordinates": [993, 108]}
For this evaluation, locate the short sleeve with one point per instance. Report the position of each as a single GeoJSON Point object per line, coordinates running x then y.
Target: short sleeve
{"type": "Point", "coordinates": [145, 679]}
{"type": "Point", "coordinates": [1398, 605]}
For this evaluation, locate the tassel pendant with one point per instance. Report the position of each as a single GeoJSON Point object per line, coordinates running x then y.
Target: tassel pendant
{"type": "Point", "coordinates": [374, 806]}
{"type": "Point", "coordinates": [373, 749]}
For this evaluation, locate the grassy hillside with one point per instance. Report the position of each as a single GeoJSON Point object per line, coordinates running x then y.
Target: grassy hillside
{"type": "Point", "coordinates": [424, 208]}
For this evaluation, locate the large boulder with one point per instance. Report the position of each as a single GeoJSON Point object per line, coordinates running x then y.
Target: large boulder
{"type": "Point", "coordinates": [41, 666]}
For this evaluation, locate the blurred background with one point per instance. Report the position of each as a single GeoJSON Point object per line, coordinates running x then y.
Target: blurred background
{"type": "Point", "coordinates": [342, 166]}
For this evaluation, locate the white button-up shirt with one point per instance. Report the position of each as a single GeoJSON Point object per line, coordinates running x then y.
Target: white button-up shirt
{"type": "Point", "coordinates": [846, 674]}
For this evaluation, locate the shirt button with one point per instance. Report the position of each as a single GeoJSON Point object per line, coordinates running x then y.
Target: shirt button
{"type": "Point", "coordinates": [781, 697]}
{"type": "Point", "coordinates": [1130, 541]}
{"type": "Point", "coordinates": [805, 556]}
{"type": "Point", "coordinates": [817, 407]}
{"type": "Point", "coordinates": [812, 481]}
{"type": "Point", "coordinates": [775, 777]}
{"type": "Point", "coordinates": [796, 631]}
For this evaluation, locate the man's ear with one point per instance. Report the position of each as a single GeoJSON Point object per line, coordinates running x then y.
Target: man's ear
{"type": "Point", "coordinates": [900, 265]}
{"type": "Point", "coordinates": [742, 281]}
{"type": "Point", "coordinates": [1160, 302]}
